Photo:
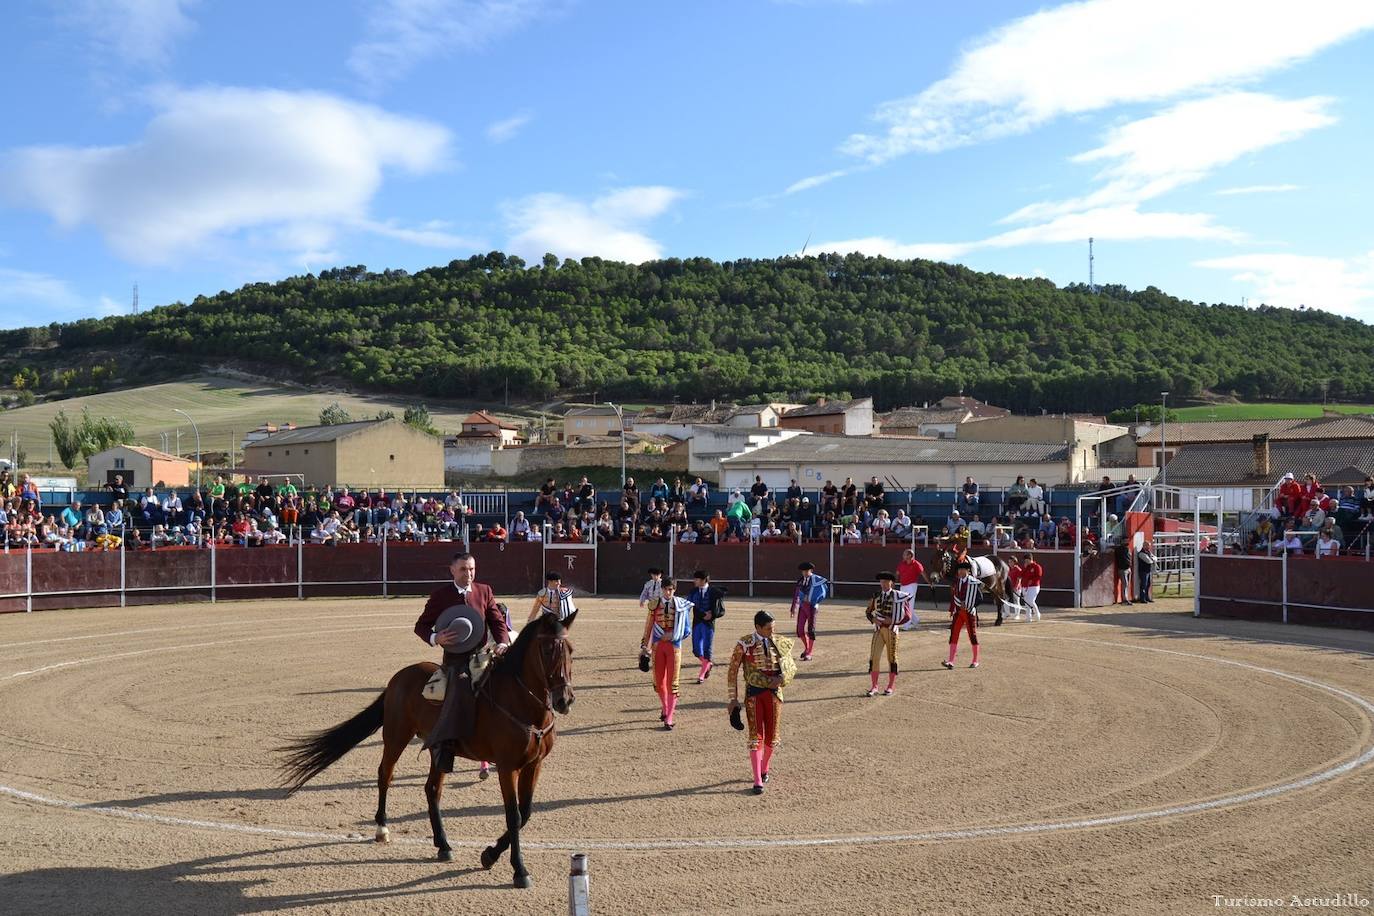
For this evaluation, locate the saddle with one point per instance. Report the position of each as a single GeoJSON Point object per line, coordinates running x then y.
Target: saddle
{"type": "Point", "coordinates": [436, 688]}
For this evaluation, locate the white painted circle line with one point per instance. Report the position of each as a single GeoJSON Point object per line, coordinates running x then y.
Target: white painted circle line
{"type": "Point", "coordinates": [1226, 801]}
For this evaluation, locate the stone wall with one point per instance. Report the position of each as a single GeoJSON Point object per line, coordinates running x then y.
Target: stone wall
{"type": "Point", "coordinates": [510, 462]}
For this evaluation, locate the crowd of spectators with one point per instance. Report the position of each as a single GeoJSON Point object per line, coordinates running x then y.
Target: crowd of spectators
{"type": "Point", "coordinates": [1308, 519]}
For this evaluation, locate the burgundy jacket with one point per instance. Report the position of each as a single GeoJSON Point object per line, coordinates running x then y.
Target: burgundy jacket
{"type": "Point", "coordinates": [479, 596]}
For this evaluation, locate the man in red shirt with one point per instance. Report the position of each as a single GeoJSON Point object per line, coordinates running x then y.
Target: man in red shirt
{"type": "Point", "coordinates": [1014, 587]}
{"type": "Point", "coordinates": [1031, 574]}
{"type": "Point", "coordinates": [910, 572]}
{"type": "Point", "coordinates": [456, 716]}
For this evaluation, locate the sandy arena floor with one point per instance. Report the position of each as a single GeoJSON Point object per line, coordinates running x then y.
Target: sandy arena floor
{"type": "Point", "coordinates": [1098, 762]}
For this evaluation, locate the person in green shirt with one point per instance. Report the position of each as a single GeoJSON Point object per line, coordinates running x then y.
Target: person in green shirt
{"type": "Point", "coordinates": [245, 488]}
{"type": "Point", "coordinates": [287, 490]}
{"type": "Point", "coordinates": [739, 515]}
{"type": "Point", "coordinates": [217, 488]}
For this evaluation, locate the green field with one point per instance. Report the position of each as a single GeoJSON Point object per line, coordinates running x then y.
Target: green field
{"type": "Point", "coordinates": [224, 409]}
{"type": "Point", "coordinates": [1266, 411]}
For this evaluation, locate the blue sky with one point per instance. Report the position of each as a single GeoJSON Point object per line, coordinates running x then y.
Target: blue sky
{"type": "Point", "coordinates": [1212, 148]}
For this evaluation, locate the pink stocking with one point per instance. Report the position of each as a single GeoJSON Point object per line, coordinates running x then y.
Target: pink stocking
{"type": "Point", "coordinates": [953, 648]}
{"type": "Point", "coordinates": [891, 679]}
{"type": "Point", "coordinates": [767, 757]}
{"type": "Point", "coordinates": [756, 764]}
{"type": "Point", "coordinates": [873, 679]}
{"type": "Point", "coordinates": [672, 707]}
{"type": "Point", "coordinates": [975, 653]}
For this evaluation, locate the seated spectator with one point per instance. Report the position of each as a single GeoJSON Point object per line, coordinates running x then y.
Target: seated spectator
{"type": "Point", "coordinates": [1367, 500]}
{"type": "Point", "coordinates": [806, 517]}
{"type": "Point", "coordinates": [1347, 507]}
{"type": "Point", "coordinates": [1314, 517]}
{"type": "Point", "coordinates": [1045, 531]}
{"type": "Point", "coordinates": [698, 494]}
{"type": "Point", "coordinates": [536, 535]}
{"type": "Point", "coordinates": [901, 526]}
{"type": "Point", "coordinates": [1327, 546]}
{"type": "Point", "coordinates": [115, 520]}
{"type": "Point", "coordinates": [159, 537]}
{"type": "Point", "coordinates": [771, 533]}
{"type": "Point", "coordinates": [976, 528]}
{"type": "Point", "coordinates": [327, 531]}
{"type": "Point", "coordinates": [758, 495]}
{"type": "Point", "coordinates": [519, 527]}
{"type": "Point", "coordinates": [629, 493]}
{"type": "Point", "coordinates": [849, 497]}
{"type": "Point", "coordinates": [851, 534]}
{"type": "Point", "coordinates": [968, 494]}
{"type": "Point", "coordinates": [546, 495]}
{"type": "Point", "coordinates": [689, 535]}
{"type": "Point", "coordinates": [150, 507]}
{"type": "Point", "coordinates": [873, 493]}
{"type": "Point", "coordinates": [497, 532]}
{"type": "Point", "coordinates": [719, 526]}
{"type": "Point", "coordinates": [1017, 494]}
{"type": "Point", "coordinates": [792, 533]}
{"type": "Point", "coordinates": [1001, 538]}
{"type": "Point", "coordinates": [1336, 533]}
{"type": "Point", "coordinates": [1263, 535]}
{"type": "Point", "coordinates": [193, 532]}
{"type": "Point", "coordinates": [880, 526]}
{"type": "Point", "coordinates": [555, 513]}
{"type": "Point", "coordinates": [1035, 498]}
{"type": "Point", "coordinates": [659, 491]}
{"type": "Point", "coordinates": [830, 497]}
{"type": "Point", "coordinates": [1290, 542]}
{"type": "Point", "coordinates": [955, 522]}
{"type": "Point", "coordinates": [794, 491]}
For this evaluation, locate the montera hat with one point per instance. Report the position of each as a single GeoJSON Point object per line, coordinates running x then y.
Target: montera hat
{"type": "Point", "coordinates": [466, 622]}
{"type": "Point", "coordinates": [805, 566]}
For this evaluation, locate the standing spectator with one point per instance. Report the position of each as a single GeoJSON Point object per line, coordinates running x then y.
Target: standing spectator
{"type": "Point", "coordinates": [1144, 570]}
{"type": "Point", "coordinates": [121, 492]}
{"type": "Point", "coordinates": [738, 516]}
{"type": "Point", "coordinates": [910, 572]}
{"type": "Point", "coordinates": [1121, 572]}
{"type": "Point", "coordinates": [1367, 500]}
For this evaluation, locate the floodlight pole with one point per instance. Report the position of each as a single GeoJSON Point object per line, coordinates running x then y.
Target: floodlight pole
{"type": "Point", "coordinates": [197, 431]}
{"type": "Point", "coordinates": [1163, 451]}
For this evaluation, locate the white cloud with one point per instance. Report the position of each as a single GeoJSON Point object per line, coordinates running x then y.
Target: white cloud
{"type": "Point", "coordinates": [814, 181]}
{"type": "Point", "coordinates": [404, 33]}
{"type": "Point", "coordinates": [29, 298]}
{"type": "Point", "coordinates": [1344, 285]}
{"type": "Point", "coordinates": [1096, 54]}
{"type": "Point", "coordinates": [1183, 144]}
{"type": "Point", "coordinates": [507, 128]}
{"type": "Point", "coordinates": [610, 226]}
{"type": "Point", "coordinates": [1117, 223]}
{"type": "Point", "coordinates": [131, 32]}
{"type": "Point", "coordinates": [1259, 189]}
{"type": "Point", "coordinates": [215, 161]}
{"type": "Point", "coordinates": [432, 234]}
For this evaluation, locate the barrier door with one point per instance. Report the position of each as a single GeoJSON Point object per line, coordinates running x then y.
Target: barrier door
{"type": "Point", "coordinates": [576, 563]}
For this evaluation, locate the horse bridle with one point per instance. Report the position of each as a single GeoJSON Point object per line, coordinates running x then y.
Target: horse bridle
{"type": "Point", "coordinates": [559, 643]}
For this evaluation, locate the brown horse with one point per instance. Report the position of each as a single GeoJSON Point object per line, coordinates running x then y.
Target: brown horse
{"type": "Point", "coordinates": [996, 585]}
{"type": "Point", "coordinates": [514, 729]}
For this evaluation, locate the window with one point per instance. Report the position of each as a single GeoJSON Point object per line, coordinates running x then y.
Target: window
{"type": "Point", "coordinates": [579, 424]}
{"type": "Point", "coordinates": [307, 451]}
{"type": "Point", "coordinates": [393, 457]}
{"type": "Point", "coordinates": [119, 464]}
{"type": "Point", "coordinates": [269, 454]}
{"type": "Point", "coordinates": [288, 451]}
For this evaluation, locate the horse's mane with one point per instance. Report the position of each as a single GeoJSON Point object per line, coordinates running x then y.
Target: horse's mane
{"type": "Point", "coordinates": [513, 662]}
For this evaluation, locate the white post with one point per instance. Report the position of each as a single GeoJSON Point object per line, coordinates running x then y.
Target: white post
{"type": "Point", "coordinates": [384, 570]}
{"type": "Point", "coordinates": [1077, 551]}
{"type": "Point", "coordinates": [122, 580]}
{"type": "Point", "coordinates": [672, 548]}
{"type": "Point", "coordinates": [300, 569]}
{"type": "Point", "coordinates": [579, 887]}
{"type": "Point", "coordinates": [751, 567]}
{"type": "Point", "coordinates": [212, 564]}
{"type": "Point", "coordinates": [28, 578]}
{"type": "Point", "coordinates": [1284, 598]}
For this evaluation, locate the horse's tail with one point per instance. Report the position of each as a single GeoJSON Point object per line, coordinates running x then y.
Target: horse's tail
{"type": "Point", "coordinates": [308, 757]}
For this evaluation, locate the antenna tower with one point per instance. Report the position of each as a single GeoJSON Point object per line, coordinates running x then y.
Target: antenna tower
{"type": "Point", "coordinates": [1092, 287]}
{"type": "Point", "coordinates": [135, 298]}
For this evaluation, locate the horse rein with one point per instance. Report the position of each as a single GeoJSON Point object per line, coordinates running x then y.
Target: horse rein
{"type": "Point", "coordinates": [546, 703]}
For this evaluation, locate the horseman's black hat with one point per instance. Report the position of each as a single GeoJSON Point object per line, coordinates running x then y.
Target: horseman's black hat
{"type": "Point", "coordinates": [890, 577]}
{"type": "Point", "coordinates": [553, 576]}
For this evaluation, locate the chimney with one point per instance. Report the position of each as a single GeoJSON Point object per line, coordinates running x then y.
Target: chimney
{"type": "Point", "coordinates": [820, 400]}
{"type": "Point", "coordinates": [1261, 446]}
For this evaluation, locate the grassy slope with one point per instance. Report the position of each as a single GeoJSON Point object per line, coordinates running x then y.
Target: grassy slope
{"type": "Point", "coordinates": [220, 407]}
{"type": "Point", "coordinates": [1267, 411]}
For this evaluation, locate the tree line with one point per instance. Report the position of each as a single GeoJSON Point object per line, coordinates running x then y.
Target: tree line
{"type": "Point", "coordinates": [790, 328]}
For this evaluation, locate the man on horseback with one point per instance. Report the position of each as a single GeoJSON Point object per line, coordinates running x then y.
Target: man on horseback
{"type": "Point", "coordinates": [458, 619]}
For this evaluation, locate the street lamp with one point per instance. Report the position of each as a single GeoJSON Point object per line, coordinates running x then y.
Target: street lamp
{"type": "Point", "coordinates": [1163, 451]}
{"type": "Point", "coordinates": [620, 416]}
{"type": "Point", "coordinates": [197, 431]}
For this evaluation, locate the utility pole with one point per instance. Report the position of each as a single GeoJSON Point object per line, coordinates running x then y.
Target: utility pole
{"type": "Point", "coordinates": [1163, 450]}
{"type": "Point", "coordinates": [135, 298]}
{"type": "Point", "coordinates": [1092, 286]}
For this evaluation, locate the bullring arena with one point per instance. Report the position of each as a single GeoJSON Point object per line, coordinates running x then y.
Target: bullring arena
{"type": "Point", "coordinates": [1098, 761]}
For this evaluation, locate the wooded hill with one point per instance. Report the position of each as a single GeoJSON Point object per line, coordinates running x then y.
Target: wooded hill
{"type": "Point", "coordinates": [791, 328]}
